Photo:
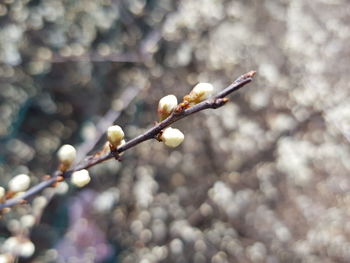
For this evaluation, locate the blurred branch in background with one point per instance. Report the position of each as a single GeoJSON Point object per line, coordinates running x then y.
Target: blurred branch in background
{"type": "Point", "coordinates": [106, 121]}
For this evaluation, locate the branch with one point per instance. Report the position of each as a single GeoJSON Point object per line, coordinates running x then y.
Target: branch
{"type": "Point", "coordinates": [181, 112]}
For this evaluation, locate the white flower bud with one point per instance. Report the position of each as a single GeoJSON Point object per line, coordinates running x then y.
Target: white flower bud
{"type": "Point", "coordinates": [172, 137]}
{"type": "Point", "coordinates": [80, 178]}
{"type": "Point", "coordinates": [19, 183]}
{"type": "Point", "coordinates": [27, 249]}
{"type": "Point", "coordinates": [203, 91]}
{"type": "Point", "coordinates": [66, 155]}
{"type": "Point", "coordinates": [166, 106]}
{"type": "Point", "coordinates": [115, 135]}
{"type": "Point", "coordinates": [2, 193]}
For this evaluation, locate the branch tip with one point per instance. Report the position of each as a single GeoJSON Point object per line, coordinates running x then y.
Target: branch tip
{"type": "Point", "coordinates": [250, 74]}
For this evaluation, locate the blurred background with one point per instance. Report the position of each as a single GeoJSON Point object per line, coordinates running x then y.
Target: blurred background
{"type": "Point", "coordinates": [263, 179]}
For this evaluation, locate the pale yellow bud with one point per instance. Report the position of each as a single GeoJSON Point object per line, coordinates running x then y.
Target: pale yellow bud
{"type": "Point", "coordinates": [27, 249]}
{"type": "Point", "coordinates": [200, 92]}
{"type": "Point", "coordinates": [80, 178]}
{"type": "Point", "coordinates": [19, 183]}
{"type": "Point", "coordinates": [203, 90]}
{"type": "Point", "coordinates": [115, 135]}
{"type": "Point", "coordinates": [2, 194]}
{"type": "Point", "coordinates": [166, 106]}
{"type": "Point", "coordinates": [66, 155]}
{"type": "Point", "coordinates": [172, 137]}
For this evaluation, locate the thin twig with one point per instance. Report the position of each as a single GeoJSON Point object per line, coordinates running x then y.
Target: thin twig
{"type": "Point", "coordinates": [212, 103]}
{"type": "Point", "coordinates": [111, 116]}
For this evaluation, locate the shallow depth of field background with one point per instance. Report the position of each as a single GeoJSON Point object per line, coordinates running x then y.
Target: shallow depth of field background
{"type": "Point", "coordinates": [263, 179]}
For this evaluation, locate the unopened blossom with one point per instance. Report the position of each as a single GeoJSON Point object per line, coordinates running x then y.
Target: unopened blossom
{"type": "Point", "coordinates": [19, 183]}
{"type": "Point", "coordinates": [115, 135]}
{"type": "Point", "coordinates": [166, 106]}
{"type": "Point", "coordinates": [200, 92]}
{"type": "Point", "coordinates": [27, 249]}
{"type": "Point", "coordinates": [80, 178]}
{"type": "Point", "coordinates": [172, 137]}
{"type": "Point", "coordinates": [2, 192]}
{"type": "Point", "coordinates": [66, 155]}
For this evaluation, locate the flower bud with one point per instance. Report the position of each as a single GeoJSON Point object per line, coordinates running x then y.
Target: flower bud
{"type": "Point", "coordinates": [166, 106]}
{"type": "Point", "coordinates": [66, 155]}
{"type": "Point", "coordinates": [200, 92]}
{"type": "Point", "coordinates": [115, 135]}
{"type": "Point", "coordinates": [80, 178]}
{"type": "Point", "coordinates": [2, 193]}
{"type": "Point", "coordinates": [27, 249]}
{"type": "Point", "coordinates": [172, 137]}
{"type": "Point", "coordinates": [19, 183]}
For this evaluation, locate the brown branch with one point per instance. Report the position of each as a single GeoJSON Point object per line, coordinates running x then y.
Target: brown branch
{"type": "Point", "coordinates": [211, 103]}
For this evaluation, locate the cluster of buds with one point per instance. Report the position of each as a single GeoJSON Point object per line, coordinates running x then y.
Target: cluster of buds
{"type": "Point", "coordinates": [174, 137]}
{"type": "Point", "coordinates": [200, 92]}
{"type": "Point", "coordinates": [170, 136]}
{"type": "Point", "coordinates": [18, 246]}
{"type": "Point", "coordinates": [66, 155]}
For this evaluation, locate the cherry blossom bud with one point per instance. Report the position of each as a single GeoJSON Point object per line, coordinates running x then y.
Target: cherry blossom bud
{"type": "Point", "coordinates": [80, 178]}
{"type": "Point", "coordinates": [204, 90]}
{"type": "Point", "coordinates": [200, 92]}
{"type": "Point", "coordinates": [66, 155]}
{"type": "Point", "coordinates": [115, 135]}
{"type": "Point", "coordinates": [166, 106]}
{"type": "Point", "coordinates": [2, 194]}
{"type": "Point", "coordinates": [172, 137]}
{"type": "Point", "coordinates": [27, 249]}
{"type": "Point", "coordinates": [19, 183]}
